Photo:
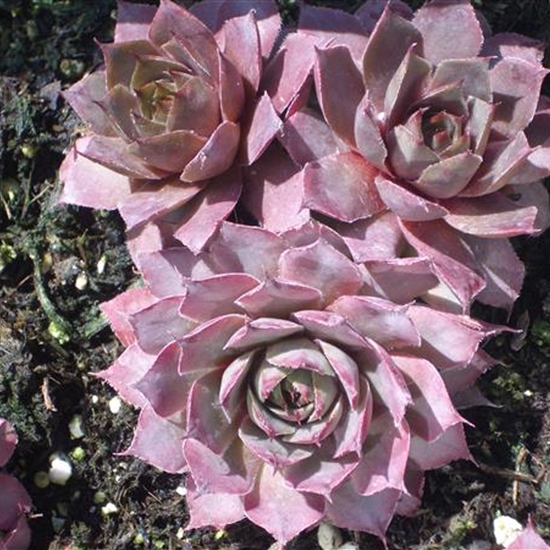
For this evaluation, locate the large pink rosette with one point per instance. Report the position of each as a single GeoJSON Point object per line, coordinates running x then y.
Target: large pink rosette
{"type": "Point", "coordinates": [425, 116]}
{"type": "Point", "coordinates": [171, 116]}
{"type": "Point", "coordinates": [15, 502]}
{"type": "Point", "coordinates": [276, 373]}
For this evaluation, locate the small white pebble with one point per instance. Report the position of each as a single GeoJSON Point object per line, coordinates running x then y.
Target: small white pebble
{"type": "Point", "coordinates": [75, 427]}
{"type": "Point", "coordinates": [115, 405]}
{"type": "Point", "coordinates": [61, 469]}
{"type": "Point", "coordinates": [95, 399]}
{"type": "Point", "coordinates": [81, 281]}
{"type": "Point", "coordinates": [528, 393]}
{"type": "Point", "coordinates": [179, 534]}
{"type": "Point", "coordinates": [181, 490]}
{"type": "Point", "coordinates": [101, 263]}
{"type": "Point", "coordinates": [108, 509]}
{"type": "Point", "coordinates": [506, 530]}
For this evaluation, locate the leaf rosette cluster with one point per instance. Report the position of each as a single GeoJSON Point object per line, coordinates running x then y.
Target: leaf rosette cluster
{"type": "Point", "coordinates": [170, 115]}
{"type": "Point", "coordinates": [285, 387]}
{"type": "Point", "coordinates": [424, 122]}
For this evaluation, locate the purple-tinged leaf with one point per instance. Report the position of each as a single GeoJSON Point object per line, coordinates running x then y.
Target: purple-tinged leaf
{"type": "Point", "coordinates": [388, 44]}
{"type": "Point", "coordinates": [104, 188]}
{"type": "Point", "coordinates": [262, 331]}
{"type": "Point", "coordinates": [158, 441]}
{"type": "Point", "coordinates": [337, 77]}
{"type": "Point", "coordinates": [450, 30]}
{"type": "Point", "coordinates": [133, 21]}
{"type": "Point", "coordinates": [281, 511]}
{"type": "Point", "coordinates": [354, 197]}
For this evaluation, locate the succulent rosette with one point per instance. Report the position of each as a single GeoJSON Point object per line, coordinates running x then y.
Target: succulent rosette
{"type": "Point", "coordinates": [172, 113]}
{"type": "Point", "coordinates": [14, 499]}
{"type": "Point", "coordinates": [429, 117]}
{"type": "Point", "coordinates": [271, 371]}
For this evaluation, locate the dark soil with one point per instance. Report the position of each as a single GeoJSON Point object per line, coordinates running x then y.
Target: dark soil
{"type": "Point", "coordinates": [57, 263]}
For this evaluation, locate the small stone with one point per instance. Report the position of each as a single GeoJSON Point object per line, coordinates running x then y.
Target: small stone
{"type": "Point", "coordinates": [75, 427]}
{"type": "Point", "coordinates": [61, 469]}
{"type": "Point", "coordinates": [109, 509]}
{"type": "Point", "coordinates": [115, 405]}
{"type": "Point", "coordinates": [506, 530]}
{"type": "Point", "coordinates": [41, 479]}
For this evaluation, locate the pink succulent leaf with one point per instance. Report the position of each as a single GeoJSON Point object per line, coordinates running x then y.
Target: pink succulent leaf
{"type": "Point", "coordinates": [329, 326]}
{"type": "Point", "coordinates": [451, 445]}
{"type": "Point", "coordinates": [216, 156]}
{"type": "Point", "coordinates": [289, 70]}
{"type": "Point", "coordinates": [508, 44]}
{"type": "Point", "coordinates": [231, 473]}
{"type": "Point", "coordinates": [240, 43]}
{"type": "Point", "coordinates": [201, 219]}
{"type": "Point", "coordinates": [203, 349]}
{"type": "Point", "coordinates": [85, 97]}
{"type": "Point", "coordinates": [154, 201]}
{"type": "Point", "coordinates": [107, 188]}
{"type": "Point", "coordinates": [391, 389]}
{"type": "Point", "coordinates": [384, 458]}
{"type": "Point", "coordinates": [528, 538]}
{"type": "Point", "coordinates": [516, 87]}
{"type": "Point", "coordinates": [278, 298]}
{"type": "Point", "coordinates": [400, 280]}
{"type": "Point", "coordinates": [157, 441]}
{"type": "Point", "coordinates": [370, 12]}
{"type": "Point", "coordinates": [368, 136]}
{"type": "Point", "coordinates": [453, 262]}
{"type": "Point", "coordinates": [121, 307]}
{"type": "Point", "coordinates": [502, 270]}
{"type": "Point", "coordinates": [262, 331]}
{"type": "Point", "coordinates": [410, 502]}
{"type": "Point", "coordinates": [489, 216]}
{"type": "Point", "coordinates": [448, 340]}
{"type": "Point", "coordinates": [282, 511]}
{"type": "Point", "coordinates": [383, 54]}
{"type": "Point", "coordinates": [162, 386]}
{"type": "Point", "coordinates": [211, 509]}
{"type": "Point", "coordinates": [245, 249]}
{"type": "Point", "coordinates": [333, 27]}
{"type": "Point", "coordinates": [432, 411]}
{"type": "Point", "coordinates": [378, 319]}
{"type": "Point", "coordinates": [157, 325]}
{"type": "Point", "coordinates": [260, 128]}
{"type": "Point", "coordinates": [273, 191]}
{"type": "Point", "coordinates": [14, 505]}
{"type": "Point", "coordinates": [536, 195]}
{"type": "Point", "coordinates": [322, 267]}
{"type": "Point", "coordinates": [130, 367]}
{"type": "Point", "coordinates": [340, 115]}
{"type": "Point", "coordinates": [406, 204]}
{"type": "Point", "coordinates": [215, 296]}
{"type": "Point", "coordinates": [375, 238]}
{"type": "Point", "coordinates": [354, 198]}
{"type": "Point", "coordinates": [133, 21]}
{"type": "Point", "coordinates": [321, 473]}
{"type": "Point", "coordinates": [450, 30]}
{"type": "Point", "coordinates": [350, 510]}
{"type": "Point", "coordinates": [459, 379]}
{"type": "Point", "coordinates": [503, 160]}
{"type": "Point", "coordinates": [307, 138]}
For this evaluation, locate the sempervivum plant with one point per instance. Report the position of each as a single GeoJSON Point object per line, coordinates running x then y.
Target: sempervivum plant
{"type": "Point", "coordinates": [14, 499]}
{"type": "Point", "coordinates": [269, 370]}
{"type": "Point", "coordinates": [427, 116]}
{"type": "Point", "coordinates": [169, 113]}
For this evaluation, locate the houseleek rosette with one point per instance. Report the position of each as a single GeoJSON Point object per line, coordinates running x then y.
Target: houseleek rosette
{"type": "Point", "coordinates": [270, 370]}
{"type": "Point", "coordinates": [426, 116]}
{"type": "Point", "coordinates": [169, 113]}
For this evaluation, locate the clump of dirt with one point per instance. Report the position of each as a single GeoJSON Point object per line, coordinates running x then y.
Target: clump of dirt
{"type": "Point", "coordinates": [58, 263]}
